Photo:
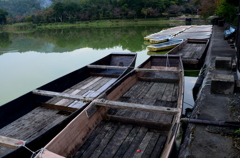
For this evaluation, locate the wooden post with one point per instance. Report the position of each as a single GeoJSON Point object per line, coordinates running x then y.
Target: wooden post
{"type": "Point", "coordinates": [238, 41]}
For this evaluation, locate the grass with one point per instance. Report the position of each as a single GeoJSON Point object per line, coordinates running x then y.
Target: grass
{"type": "Point", "coordinates": [84, 24]}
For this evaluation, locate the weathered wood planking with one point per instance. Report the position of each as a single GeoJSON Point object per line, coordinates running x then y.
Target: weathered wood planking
{"type": "Point", "coordinates": [192, 51]}
{"type": "Point", "coordinates": [156, 109]}
{"type": "Point", "coordinates": [121, 140]}
{"type": "Point", "coordinates": [106, 67]}
{"type": "Point", "coordinates": [32, 124]}
{"type": "Point", "coordinates": [10, 142]}
{"type": "Point", "coordinates": [91, 88]}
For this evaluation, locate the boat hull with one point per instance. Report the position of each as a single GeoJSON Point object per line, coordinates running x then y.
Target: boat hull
{"type": "Point", "coordinates": [13, 112]}
{"type": "Point", "coordinates": [114, 124]}
{"type": "Point", "coordinates": [192, 52]}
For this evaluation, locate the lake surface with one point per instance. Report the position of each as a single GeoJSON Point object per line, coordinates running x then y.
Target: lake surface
{"type": "Point", "coordinates": [29, 60]}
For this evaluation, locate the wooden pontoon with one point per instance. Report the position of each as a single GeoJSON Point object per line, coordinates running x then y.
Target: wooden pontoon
{"type": "Point", "coordinates": [192, 51]}
{"type": "Point", "coordinates": [33, 119]}
{"type": "Point", "coordinates": [138, 116]}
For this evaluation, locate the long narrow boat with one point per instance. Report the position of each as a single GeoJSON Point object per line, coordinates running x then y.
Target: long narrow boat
{"type": "Point", "coordinates": [138, 116]}
{"type": "Point", "coordinates": [160, 39]}
{"type": "Point", "coordinates": [164, 46]}
{"type": "Point", "coordinates": [192, 51]}
{"type": "Point", "coordinates": [33, 119]}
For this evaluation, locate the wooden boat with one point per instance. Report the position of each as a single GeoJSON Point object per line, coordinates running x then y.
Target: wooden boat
{"type": "Point", "coordinates": [196, 32]}
{"type": "Point", "coordinates": [160, 39]}
{"type": "Point", "coordinates": [164, 46]}
{"type": "Point", "coordinates": [35, 118]}
{"type": "Point", "coordinates": [137, 117]}
{"type": "Point", "coordinates": [192, 51]}
{"type": "Point", "coordinates": [167, 32]}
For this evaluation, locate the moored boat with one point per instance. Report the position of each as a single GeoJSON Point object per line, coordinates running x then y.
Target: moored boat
{"type": "Point", "coordinates": [167, 32]}
{"type": "Point", "coordinates": [160, 39]}
{"type": "Point", "coordinates": [164, 46]}
{"type": "Point", "coordinates": [138, 116]}
{"type": "Point", "coordinates": [192, 51]}
{"type": "Point", "coordinates": [32, 120]}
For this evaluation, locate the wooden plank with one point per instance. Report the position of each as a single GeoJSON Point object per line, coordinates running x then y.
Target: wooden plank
{"type": "Point", "coordinates": [63, 101]}
{"type": "Point", "coordinates": [148, 151]}
{"type": "Point", "coordinates": [84, 82]}
{"type": "Point", "coordinates": [77, 104]}
{"type": "Point", "coordinates": [90, 83]}
{"type": "Point", "coordinates": [90, 139]}
{"type": "Point", "coordinates": [11, 142]}
{"type": "Point", "coordinates": [132, 90]}
{"type": "Point", "coordinates": [61, 95]}
{"type": "Point", "coordinates": [175, 92]}
{"type": "Point", "coordinates": [48, 154]}
{"type": "Point", "coordinates": [158, 70]}
{"type": "Point", "coordinates": [149, 79]}
{"type": "Point", "coordinates": [71, 89]}
{"type": "Point", "coordinates": [102, 137]}
{"type": "Point", "coordinates": [127, 142]}
{"type": "Point", "coordinates": [156, 91]}
{"type": "Point", "coordinates": [143, 145]}
{"type": "Point", "coordinates": [32, 124]}
{"type": "Point", "coordinates": [159, 147]}
{"type": "Point", "coordinates": [106, 67]}
{"type": "Point", "coordinates": [116, 141]}
{"type": "Point", "coordinates": [167, 95]}
{"type": "Point", "coordinates": [144, 123]}
{"type": "Point", "coordinates": [116, 104]}
{"type": "Point", "coordinates": [63, 108]}
{"type": "Point", "coordinates": [135, 143]}
{"type": "Point", "coordinates": [105, 75]}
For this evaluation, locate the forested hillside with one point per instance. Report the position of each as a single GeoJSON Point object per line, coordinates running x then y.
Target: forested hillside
{"type": "Point", "coordinates": [40, 11]}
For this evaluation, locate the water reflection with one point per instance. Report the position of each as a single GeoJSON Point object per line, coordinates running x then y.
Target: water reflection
{"type": "Point", "coordinates": [5, 40]}
{"type": "Point", "coordinates": [190, 80]}
{"type": "Point", "coordinates": [29, 60]}
{"type": "Point", "coordinates": [64, 40]}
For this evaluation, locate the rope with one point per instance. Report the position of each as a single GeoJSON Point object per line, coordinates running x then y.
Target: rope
{"type": "Point", "coordinates": [23, 144]}
{"type": "Point", "coordinates": [167, 62]}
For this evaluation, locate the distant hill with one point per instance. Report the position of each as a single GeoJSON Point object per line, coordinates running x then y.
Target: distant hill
{"type": "Point", "coordinates": [24, 7]}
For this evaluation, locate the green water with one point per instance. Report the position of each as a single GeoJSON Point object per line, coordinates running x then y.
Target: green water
{"type": "Point", "coordinates": [29, 60]}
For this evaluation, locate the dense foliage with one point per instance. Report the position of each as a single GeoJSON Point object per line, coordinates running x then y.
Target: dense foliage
{"type": "Point", "coordinates": [48, 11]}
{"type": "Point", "coordinates": [3, 14]}
{"type": "Point", "coordinates": [227, 11]}
{"type": "Point", "coordinates": [40, 11]}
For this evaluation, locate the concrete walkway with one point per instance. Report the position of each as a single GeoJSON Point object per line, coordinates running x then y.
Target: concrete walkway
{"type": "Point", "coordinates": [204, 141]}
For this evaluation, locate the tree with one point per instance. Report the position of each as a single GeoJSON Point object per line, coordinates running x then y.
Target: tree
{"type": "Point", "coordinates": [208, 7]}
{"type": "Point", "coordinates": [144, 11]}
{"type": "Point", "coordinates": [175, 9]}
{"type": "Point", "coordinates": [58, 9]}
{"type": "Point", "coordinates": [117, 12]}
{"type": "Point", "coordinates": [3, 14]}
{"type": "Point", "coordinates": [227, 11]}
{"type": "Point", "coordinates": [154, 12]}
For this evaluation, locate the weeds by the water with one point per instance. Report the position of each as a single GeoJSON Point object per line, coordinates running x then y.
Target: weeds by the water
{"type": "Point", "coordinates": [86, 24]}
